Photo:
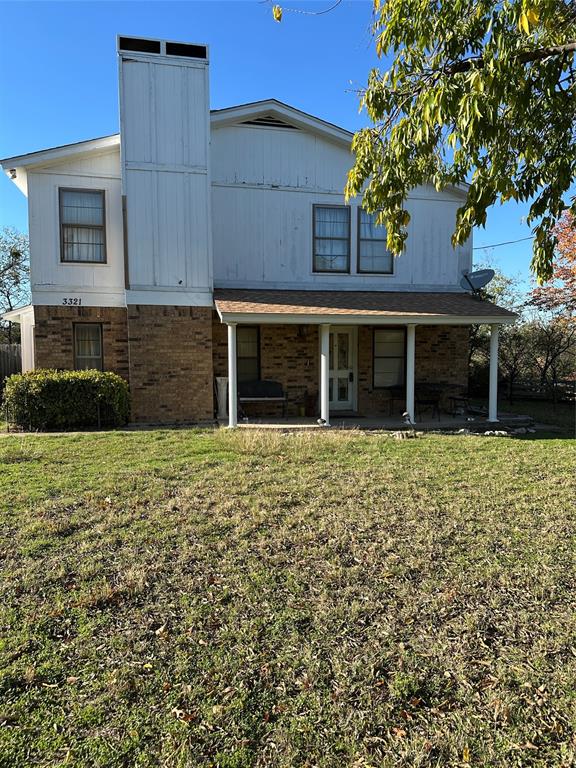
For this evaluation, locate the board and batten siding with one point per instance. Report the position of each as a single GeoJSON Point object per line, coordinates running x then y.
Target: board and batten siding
{"type": "Point", "coordinates": [53, 282]}
{"type": "Point", "coordinates": [164, 121]}
{"type": "Point", "coordinates": [264, 184]}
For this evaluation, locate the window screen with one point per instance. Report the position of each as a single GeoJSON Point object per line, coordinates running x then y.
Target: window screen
{"type": "Point", "coordinates": [87, 346]}
{"type": "Point", "coordinates": [373, 256]}
{"type": "Point", "coordinates": [247, 353]}
{"type": "Point", "coordinates": [331, 238]}
{"type": "Point", "coordinates": [389, 357]}
{"type": "Point", "coordinates": [82, 225]}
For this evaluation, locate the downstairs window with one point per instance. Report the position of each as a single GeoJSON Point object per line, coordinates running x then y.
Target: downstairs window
{"type": "Point", "coordinates": [389, 357]}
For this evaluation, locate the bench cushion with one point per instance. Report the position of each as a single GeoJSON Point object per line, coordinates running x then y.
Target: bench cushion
{"type": "Point", "coordinates": [265, 390]}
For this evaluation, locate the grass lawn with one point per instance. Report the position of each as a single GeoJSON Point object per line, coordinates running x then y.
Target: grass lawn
{"type": "Point", "coordinates": [233, 599]}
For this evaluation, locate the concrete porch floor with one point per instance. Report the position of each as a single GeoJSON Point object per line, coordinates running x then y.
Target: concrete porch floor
{"type": "Point", "coordinates": [446, 422]}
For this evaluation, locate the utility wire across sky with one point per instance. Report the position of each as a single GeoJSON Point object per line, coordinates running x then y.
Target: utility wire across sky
{"type": "Point", "coordinates": [497, 245]}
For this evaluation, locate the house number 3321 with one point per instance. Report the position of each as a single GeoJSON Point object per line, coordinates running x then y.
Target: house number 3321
{"type": "Point", "coordinates": [72, 301]}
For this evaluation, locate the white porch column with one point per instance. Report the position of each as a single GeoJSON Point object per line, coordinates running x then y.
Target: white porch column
{"type": "Point", "coordinates": [410, 370]}
{"type": "Point", "coordinates": [232, 377]}
{"type": "Point", "coordinates": [493, 391]}
{"type": "Point", "coordinates": [324, 373]}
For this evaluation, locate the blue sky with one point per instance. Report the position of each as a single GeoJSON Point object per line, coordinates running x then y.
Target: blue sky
{"type": "Point", "coordinates": [58, 77]}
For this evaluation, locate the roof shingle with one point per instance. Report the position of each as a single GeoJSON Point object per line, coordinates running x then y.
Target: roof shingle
{"type": "Point", "coordinates": [365, 303]}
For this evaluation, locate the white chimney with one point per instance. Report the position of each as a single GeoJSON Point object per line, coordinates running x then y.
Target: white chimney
{"type": "Point", "coordinates": [165, 135]}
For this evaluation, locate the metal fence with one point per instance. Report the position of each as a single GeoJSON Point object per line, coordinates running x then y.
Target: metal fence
{"type": "Point", "coordinates": [10, 361]}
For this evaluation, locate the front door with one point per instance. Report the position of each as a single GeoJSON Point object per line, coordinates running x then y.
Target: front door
{"type": "Point", "coordinates": [343, 343]}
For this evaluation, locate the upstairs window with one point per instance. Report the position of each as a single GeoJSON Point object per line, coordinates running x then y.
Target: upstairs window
{"type": "Point", "coordinates": [82, 228]}
{"type": "Point", "coordinates": [88, 346]}
{"type": "Point", "coordinates": [389, 357]}
{"type": "Point", "coordinates": [373, 256]}
{"type": "Point", "coordinates": [331, 238]}
{"type": "Point", "coordinates": [248, 353]}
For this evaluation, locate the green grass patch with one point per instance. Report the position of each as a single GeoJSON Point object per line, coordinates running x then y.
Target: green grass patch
{"type": "Point", "coordinates": [252, 598]}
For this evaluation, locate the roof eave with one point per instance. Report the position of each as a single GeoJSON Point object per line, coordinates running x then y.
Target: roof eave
{"type": "Point", "coordinates": [52, 154]}
{"type": "Point", "coordinates": [296, 318]}
{"type": "Point", "coordinates": [14, 315]}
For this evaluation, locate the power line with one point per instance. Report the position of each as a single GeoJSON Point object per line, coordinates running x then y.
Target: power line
{"type": "Point", "coordinates": [497, 245]}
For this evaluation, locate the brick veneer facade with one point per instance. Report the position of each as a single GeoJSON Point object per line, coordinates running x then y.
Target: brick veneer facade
{"type": "Point", "coordinates": [441, 359]}
{"type": "Point", "coordinates": [290, 354]}
{"type": "Point", "coordinates": [165, 353]}
{"type": "Point", "coordinates": [171, 372]}
{"type": "Point", "coordinates": [170, 356]}
{"type": "Point", "coordinates": [54, 336]}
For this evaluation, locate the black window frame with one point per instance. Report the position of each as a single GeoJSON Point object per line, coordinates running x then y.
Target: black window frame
{"type": "Point", "coordinates": [102, 226]}
{"type": "Point", "coordinates": [315, 238]}
{"type": "Point", "coordinates": [360, 239]}
{"type": "Point", "coordinates": [385, 357]}
{"type": "Point", "coordinates": [256, 328]}
{"type": "Point", "coordinates": [75, 326]}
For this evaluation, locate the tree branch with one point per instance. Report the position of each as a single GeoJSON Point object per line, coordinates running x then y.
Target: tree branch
{"type": "Point", "coordinates": [477, 62]}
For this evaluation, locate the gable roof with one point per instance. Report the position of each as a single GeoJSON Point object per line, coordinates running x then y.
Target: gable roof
{"type": "Point", "coordinates": [252, 112]}
{"type": "Point", "coordinates": [229, 115]}
{"type": "Point", "coordinates": [272, 108]}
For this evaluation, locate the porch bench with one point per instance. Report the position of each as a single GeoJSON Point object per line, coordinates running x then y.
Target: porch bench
{"type": "Point", "coordinates": [262, 392]}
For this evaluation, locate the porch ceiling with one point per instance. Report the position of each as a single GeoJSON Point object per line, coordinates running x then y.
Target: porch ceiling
{"type": "Point", "coordinates": [356, 308]}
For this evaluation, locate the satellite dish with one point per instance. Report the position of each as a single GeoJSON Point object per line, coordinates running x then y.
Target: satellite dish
{"type": "Point", "coordinates": [473, 281]}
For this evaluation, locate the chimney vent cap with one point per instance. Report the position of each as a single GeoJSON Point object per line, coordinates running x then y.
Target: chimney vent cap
{"type": "Point", "coordinates": [153, 46]}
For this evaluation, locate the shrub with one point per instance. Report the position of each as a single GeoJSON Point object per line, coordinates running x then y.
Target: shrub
{"type": "Point", "coordinates": [47, 399]}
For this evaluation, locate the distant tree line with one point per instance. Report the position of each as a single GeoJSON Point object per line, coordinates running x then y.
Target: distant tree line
{"type": "Point", "coordinates": [538, 354]}
{"type": "Point", "coordinates": [14, 279]}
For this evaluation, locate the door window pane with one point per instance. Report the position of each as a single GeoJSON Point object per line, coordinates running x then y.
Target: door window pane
{"type": "Point", "coordinates": [343, 388]}
{"type": "Point", "coordinates": [343, 350]}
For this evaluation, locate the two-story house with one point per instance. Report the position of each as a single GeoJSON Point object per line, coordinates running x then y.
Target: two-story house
{"type": "Point", "coordinates": [199, 244]}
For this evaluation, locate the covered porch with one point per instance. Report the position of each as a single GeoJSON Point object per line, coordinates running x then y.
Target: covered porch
{"type": "Point", "coordinates": [397, 358]}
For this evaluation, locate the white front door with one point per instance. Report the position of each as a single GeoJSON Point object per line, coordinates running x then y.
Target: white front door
{"type": "Point", "coordinates": [342, 381]}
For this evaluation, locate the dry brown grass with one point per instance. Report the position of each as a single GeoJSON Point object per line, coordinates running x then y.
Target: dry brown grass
{"type": "Point", "coordinates": [249, 598]}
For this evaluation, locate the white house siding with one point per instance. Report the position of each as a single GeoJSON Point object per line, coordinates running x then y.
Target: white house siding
{"type": "Point", "coordinates": [27, 339]}
{"type": "Point", "coordinates": [264, 184]}
{"type": "Point", "coordinates": [164, 121]}
{"type": "Point", "coordinates": [52, 281]}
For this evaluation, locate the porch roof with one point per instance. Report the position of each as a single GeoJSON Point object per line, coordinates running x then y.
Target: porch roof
{"type": "Point", "coordinates": [356, 307]}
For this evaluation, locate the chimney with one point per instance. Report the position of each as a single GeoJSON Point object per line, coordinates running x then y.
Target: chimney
{"type": "Point", "coordinates": [164, 140]}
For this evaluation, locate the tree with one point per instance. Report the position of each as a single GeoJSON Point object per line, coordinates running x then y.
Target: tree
{"type": "Point", "coordinates": [14, 275]}
{"type": "Point", "coordinates": [502, 290]}
{"type": "Point", "coordinates": [559, 295]}
{"type": "Point", "coordinates": [478, 91]}
{"type": "Point", "coordinates": [553, 345]}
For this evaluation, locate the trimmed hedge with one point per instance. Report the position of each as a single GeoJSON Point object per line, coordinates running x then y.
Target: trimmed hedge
{"type": "Point", "coordinates": [47, 399]}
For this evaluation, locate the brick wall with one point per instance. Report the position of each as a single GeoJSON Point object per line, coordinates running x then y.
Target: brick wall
{"type": "Point", "coordinates": [441, 359]}
{"type": "Point", "coordinates": [291, 356]}
{"type": "Point", "coordinates": [288, 354]}
{"type": "Point", "coordinates": [54, 336]}
{"type": "Point", "coordinates": [171, 372]}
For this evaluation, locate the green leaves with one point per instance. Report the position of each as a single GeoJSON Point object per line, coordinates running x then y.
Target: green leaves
{"type": "Point", "coordinates": [469, 90]}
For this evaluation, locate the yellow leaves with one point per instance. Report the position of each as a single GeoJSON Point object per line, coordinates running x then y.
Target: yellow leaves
{"type": "Point", "coordinates": [466, 754]}
{"type": "Point", "coordinates": [277, 13]}
{"type": "Point", "coordinates": [528, 18]}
